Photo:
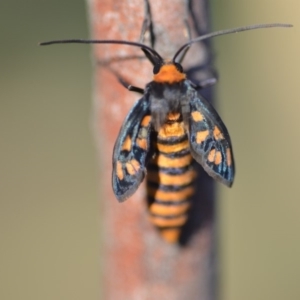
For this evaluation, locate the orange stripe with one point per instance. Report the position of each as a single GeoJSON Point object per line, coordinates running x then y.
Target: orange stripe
{"type": "Point", "coordinates": [146, 120]}
{"type": "Point", "coordinates": [201, 136]}
{"type": "Point", "coordinates": [197, 116]}
{"type": "Point", "coordinates": [166, 179]}
{"type": "Point", "coordinates": [161, 222]}
{"type": "Point", "coordinates": [132, 166]}
{"type": "Point", "coordinates": [130, 169]}
{"type": "Point", "coordinates": [217, 134]}
{"type": "Point", "coordinates": [171, 235]}
{"type": "Point", "coordinates": [228, 156]}
{"type": "Point", "coordinates": [212, 155]}
{"type": "Point", "coordinates": [173, 148]}
{"type": "Point", "coordinates": [168, 210]}
{"type": "Point", "coordinates": [135, 164]}
{"type": "Point", "coordinates": [167, 162]}
{"type": "Point", "coordinates": [127, 144]}
{"type": "Point", "coordinates": [218, 158]}
{"type": "Point", "coordinates": [170, 130]}
{"type": "Point", "coordinates": [171, 196]}
{"type": "Point", "coordinates": [119, 170]}
{"type": "Point", "coordinates": [142, 143]}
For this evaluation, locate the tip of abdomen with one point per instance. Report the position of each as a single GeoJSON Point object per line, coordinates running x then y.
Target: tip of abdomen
{"type": "Point", "coordinates": [170, 235]}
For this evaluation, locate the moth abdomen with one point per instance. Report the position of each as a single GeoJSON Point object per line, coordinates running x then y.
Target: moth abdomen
{"type": "Point", "coordinates": [170, 179]}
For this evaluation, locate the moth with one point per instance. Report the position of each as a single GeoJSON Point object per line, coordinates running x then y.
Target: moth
{"type": "Point", "coordinates": [169, 129]}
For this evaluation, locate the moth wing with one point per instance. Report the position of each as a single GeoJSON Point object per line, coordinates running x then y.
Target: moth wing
{"type": "Point", "coordinates": [132, 150]}
{"type": "Point", "coordinates": [210, 142]}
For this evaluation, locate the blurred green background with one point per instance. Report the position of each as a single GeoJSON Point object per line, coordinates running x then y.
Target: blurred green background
{"type": "Point", "coordinates": [49, 211]}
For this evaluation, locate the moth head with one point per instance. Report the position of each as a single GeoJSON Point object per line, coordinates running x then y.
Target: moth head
{"type": "Point", "coordinates": [168, 72]}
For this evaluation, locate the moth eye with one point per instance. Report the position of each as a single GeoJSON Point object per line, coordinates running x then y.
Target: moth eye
{"type": "Point", "coordinates": [156, 69]}
{"type": "Point", "coordinates": [179, 67]}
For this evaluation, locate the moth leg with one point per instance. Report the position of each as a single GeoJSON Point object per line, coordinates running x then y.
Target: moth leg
{"type": "Point", "coordinates": [147, 25]}
{"type": "Point", "coordinates": [209, 78]}
{"type": "Point", "coordinates": [205, 83]}
{"type": "Point", "coordinates": [128, 86]}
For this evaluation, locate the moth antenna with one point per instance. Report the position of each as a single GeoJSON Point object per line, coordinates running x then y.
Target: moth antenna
{"type": "Point", "coordinates": [81, 41]}
{"type": "Point", "coordinates": [227, 31]}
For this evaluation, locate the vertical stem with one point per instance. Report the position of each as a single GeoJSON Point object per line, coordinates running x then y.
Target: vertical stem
{"type": "Point", "coordinates": [138, 263]}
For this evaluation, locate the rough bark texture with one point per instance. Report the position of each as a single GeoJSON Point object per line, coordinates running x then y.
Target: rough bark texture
{"type": "Point", "coordinates": [138, 263]}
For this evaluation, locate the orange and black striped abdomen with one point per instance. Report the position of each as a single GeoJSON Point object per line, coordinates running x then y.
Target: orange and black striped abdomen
{"type": "Point", "coordinates": [170, 178]}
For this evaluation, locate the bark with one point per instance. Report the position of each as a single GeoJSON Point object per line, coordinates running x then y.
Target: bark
{"type": "Point", "coordinates": [138, 263]}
